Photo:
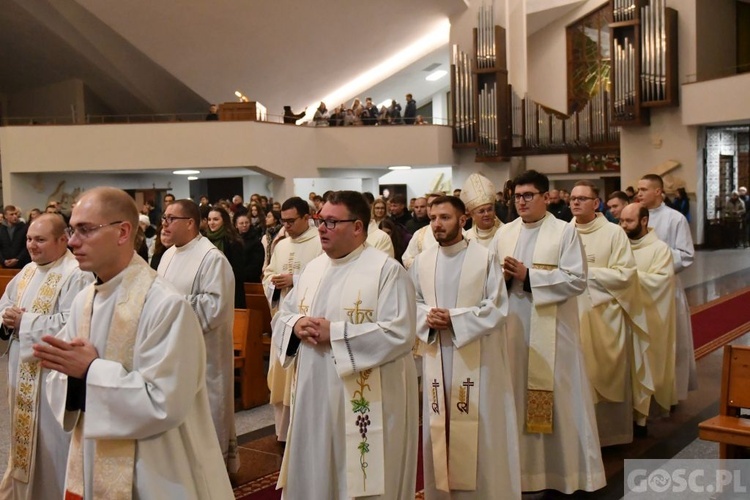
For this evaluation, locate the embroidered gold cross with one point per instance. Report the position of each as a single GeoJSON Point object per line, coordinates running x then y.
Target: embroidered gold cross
{"type": "Point", "coordinates": [463, 396]}
{"type": "Point", "coordinates": [291, 265]}
{"type": "Point", "coordinates": [356, 314]}
{"type": "Point", "coordinates": [435, 405]}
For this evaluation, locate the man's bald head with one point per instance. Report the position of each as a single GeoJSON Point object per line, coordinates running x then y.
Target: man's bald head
{"type": "Point", "coordinates": [113, 204]}
{"type": "Point", "coordinates": [53, 223]}
{"type": "Point", "coordinates": [634, 220]}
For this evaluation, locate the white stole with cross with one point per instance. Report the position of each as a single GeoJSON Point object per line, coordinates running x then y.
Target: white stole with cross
{"type": "Point", "coordinates": [358, 296]}
{"type": "Point", "coordinates": [455, 468]}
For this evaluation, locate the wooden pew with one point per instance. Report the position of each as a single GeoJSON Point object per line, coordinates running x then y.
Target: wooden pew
{"type": "Point", "coordinates": [6, 275]}
{"type": "Point", "coordinates": [251, 376]}
{"type": "Point", "coordinates": [728, 429]}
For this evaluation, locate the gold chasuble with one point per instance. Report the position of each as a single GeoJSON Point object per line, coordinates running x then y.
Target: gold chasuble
{"type": "Point", "coordinates": [455, 469]}
{"type": "Point", "coordinates": [24, 425]}
{"type": "Point", "coordinates": [114, 459]}
{"type": "Point", "coordinates": [543, 338]}
{"type": "Point", "coordinates": [358, 303]}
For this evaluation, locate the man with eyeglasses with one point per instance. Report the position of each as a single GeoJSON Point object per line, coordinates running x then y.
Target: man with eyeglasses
{"type": "Point", "coordinates": [613, 325]}
{"type": "Point", "coordinates": [545, 270]}
{"type": "Point", "coordinates": [468, 411]}
{"type": "Point", "coordinates": [300, 245]}
{"type": "Point", "coordinates": [478, 194]}
{"type": "Point", "coordinates": [349, 325]}
{"type": "Point", "coordinates": [202, 274]}
{"type": "Point", "coordinates": [37, 302]}
{"type": "Point", "coordinates": [129, 371]}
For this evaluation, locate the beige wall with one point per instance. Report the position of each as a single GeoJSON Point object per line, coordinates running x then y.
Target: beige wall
{"type": "Point", "coordinates": [716, 101]}
{"type": "Point", "coordinates": [57, 100]}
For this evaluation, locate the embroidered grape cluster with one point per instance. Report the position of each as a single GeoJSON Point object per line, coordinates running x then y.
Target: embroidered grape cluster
{"type": "Point", "coordinates": [363, 422]}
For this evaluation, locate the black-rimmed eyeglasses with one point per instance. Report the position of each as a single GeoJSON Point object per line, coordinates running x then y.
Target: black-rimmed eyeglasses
{"type": "Point", "coordinates": [330, 223]}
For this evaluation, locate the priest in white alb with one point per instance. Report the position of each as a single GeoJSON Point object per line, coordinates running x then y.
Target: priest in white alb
{"type": "Point", "coordinates": [290, 256]}
{"type": "Point", "coordinates": [421, 240]}
{"type": "Point", "coordinates": [608, 309]}
{"type": "Point", "coordinates": [349, 323]}
{"type": "Point", "coordinates": [128, 371]}
{"type": "Point", "coordinates": [37, 302]}
{"type": "Point", "coordinates": [478, 194]}
{"type": "Point", "coordinates": [379, 239]}
{"type": "Point", "coordinates": [203, 275]}
{"type": "Point", "coordinates": [657, 285]}
{"type": "Point", "coordinates": [470, 435]}
{"type": "Point", "coordinates": [545, 269]}
{"type": "Point", "coordinates": [672, 228]}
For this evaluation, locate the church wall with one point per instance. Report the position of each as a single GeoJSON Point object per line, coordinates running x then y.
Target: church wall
{"type": "Point", "coordinates": [716, 54]}
{"type": "Point", "coordinates": [58, 100]}
{"type": "Point", "coordinates": [420, 181]}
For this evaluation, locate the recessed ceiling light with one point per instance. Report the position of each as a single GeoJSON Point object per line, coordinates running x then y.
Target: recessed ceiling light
{"type": "Point", "coordinates": [437, 75]}
{"type": "Point", "coordinates": [399, 167]}
{"type": "Point", "coordinates": [186, 172]}
{"type": "Point", "coordinates": [192, 178]}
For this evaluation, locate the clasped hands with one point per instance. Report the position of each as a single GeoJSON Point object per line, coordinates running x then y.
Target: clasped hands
{"type": "Point", "coordinates": [514, 268]}
{"type": "Point", "coordinates": [71, 358]}
{"type": "Point", "coordinates": [313, 330]}
{"type": "Point", "coordinates": [12, 317]}
{"type": "Point", "coordinates": [282, 280]}
{"type": "Point", "coordinates": [439, 319]}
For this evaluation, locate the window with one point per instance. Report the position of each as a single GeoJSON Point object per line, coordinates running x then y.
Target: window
{"type": "Point", "coordinates": [588, 58]}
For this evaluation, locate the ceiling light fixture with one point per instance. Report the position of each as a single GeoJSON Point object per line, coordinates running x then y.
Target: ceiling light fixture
{"type": "Point", "coordinates": [437, 75]}
{"type": "Point", "coordinates": [399, 167]}
{"type": "Point", "coordinates": [192, 178]}
{"type": "Point", "coordinates": [433, 40]}
{"type": "Point", "coordinates": [186, 172]}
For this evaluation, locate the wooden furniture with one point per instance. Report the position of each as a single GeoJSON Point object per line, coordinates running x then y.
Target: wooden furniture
{"type": "Point", "coordinates": [252, 345]}
{"type": "Point", "coordinates": [242, 111]}
{"type": "Point", "coordinates": [731, 431]}
{"type": "Point", "coordinates": [6, 275]}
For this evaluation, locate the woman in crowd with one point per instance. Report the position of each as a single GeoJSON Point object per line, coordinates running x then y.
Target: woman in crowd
{"type": "Point", "coordinates": [253, 250]}
{"type": "Point", "coordinates": [379, 212]}
{"type": "Point", "coordinates": [257, 219]}
{"type": "Point", "coordinates": [224, 236]}
{"type": "Point", "coordinates": [273, 227]}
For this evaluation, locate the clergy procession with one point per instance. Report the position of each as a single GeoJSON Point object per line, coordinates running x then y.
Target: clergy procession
{"type": "Point", "coordinates": [515, 350]}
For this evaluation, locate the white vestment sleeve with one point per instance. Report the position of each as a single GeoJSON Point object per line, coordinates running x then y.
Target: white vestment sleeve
{"type": "Point", "coordinates": [157, 395]}
{"type": "Point", "coordinates": [411, 252]}
{"type": "Point", "coordinates": [618, 275]}
{"type": "Point", "coordinates": [424, 332]}
{"type": "Point", "coordinates": [683, 252]}
{"type": "Point", "coordinates": [568, 280]}
{"type": "Point", "coordinates": [368, 345]}
{"type": "Point", "coordinates": [216, 283]}
{"type": "Point", "coordinates": [9, 296]}
{"type": "Point", "coordinates": [472, 323]}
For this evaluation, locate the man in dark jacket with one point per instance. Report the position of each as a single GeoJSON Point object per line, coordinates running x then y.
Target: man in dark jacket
{"type": "Point", "coordinates": [13, 253]}
{"type": "Point", "coordinates": [557, 207]}
{"type": "Point", "coordinates": [410, 113]}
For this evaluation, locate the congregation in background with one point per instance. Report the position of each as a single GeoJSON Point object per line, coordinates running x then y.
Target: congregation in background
{"type": "Point", "coordinates": [543, 324]}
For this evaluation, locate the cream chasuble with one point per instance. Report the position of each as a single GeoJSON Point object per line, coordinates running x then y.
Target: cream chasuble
{"type": "Point", "coordinates": [379, 239]}
{"type": "Point", "coordinates": [148, 431]}
{"type": "Point", "coordinates": [569, 458]}
{"type": "Point", "coordinates": [290, 256]}
{"type": "Point", "coordinates": [672, 228]}
{"type": "Point", "coordinates": [484, 237]}
{"type": "Point", "coordinates": [467, 380]}
{"type": "Point", "coordinates": [361, 388]}
{"type": "Point", "coordinates": [610, 311]}
{"type": "Point", "coordinates": [419, 242]}
{"type": "Point", "coordinates": [38, 447]}
{"type": "Point", "coordinates": [203, 275]}
{"type": "Point", "coordinates": [656, 278]}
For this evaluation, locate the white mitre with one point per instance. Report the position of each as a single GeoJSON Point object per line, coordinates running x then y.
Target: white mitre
{"type": "Point", "coordinates": [478, 190]}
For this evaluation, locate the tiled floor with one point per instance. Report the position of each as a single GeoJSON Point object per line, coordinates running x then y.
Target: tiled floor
{"type": "Point", "coordinates": [714, 274]}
